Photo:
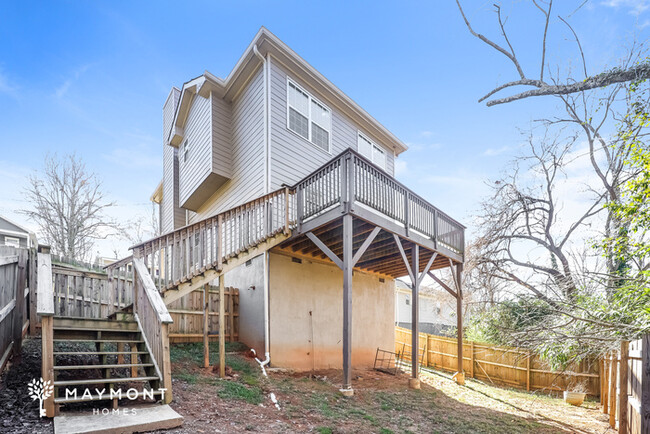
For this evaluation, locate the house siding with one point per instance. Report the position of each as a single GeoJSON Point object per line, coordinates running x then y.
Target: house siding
{"type": "Point", "coordinates": [172, 216]}
{"type": "Point", "coordinates": [292, 157]}
{"type": "Point", "coordinates": [221, 136]}
{"type": "Point", "coordinates": [247, 152]}
{"type": "Point", "coordinates": [169, 110]}
{"type": "Point", "coordinates": [198, 135]}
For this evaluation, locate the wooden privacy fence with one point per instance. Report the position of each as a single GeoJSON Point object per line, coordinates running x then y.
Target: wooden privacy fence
{"type": "Point", "coordinates": [625, 387]}
{"type": "Point", "coordinates": [14, 311]}
{"type": "Point", "coordinates": [189, 311]}
{"type": "Point", "coordinates": [499, 365]}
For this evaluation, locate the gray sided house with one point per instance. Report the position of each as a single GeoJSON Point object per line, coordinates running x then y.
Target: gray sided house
{"type": "Point", "coordinates": [14, 235]}
{"type": "Point", "coordinates": [437, 309]}
{"type": "Point", "coordinates": [275, 124]}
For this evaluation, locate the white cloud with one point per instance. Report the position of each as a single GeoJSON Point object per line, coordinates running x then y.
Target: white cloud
{"type": "Point", "coordinates": [635, 7]}
{"type": "Point", "coordinates": [400, 167]}
{"type": "Point", "coordinates": [491, 152]}
{"type": "Point", "coordinates": [63, 89]}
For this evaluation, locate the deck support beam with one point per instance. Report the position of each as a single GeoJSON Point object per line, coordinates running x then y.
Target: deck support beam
{"type": "Point", "coordinates": [347, 302]}
{"type": "Point", "coordinates": [222, 327]}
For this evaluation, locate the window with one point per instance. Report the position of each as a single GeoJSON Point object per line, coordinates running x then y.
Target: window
{"type": "Point", "coordinates": [371, 151]}
{"type": "Point", "coordinates": [185, 150]}
{"type": "Point", "coordinates": [307, 117]}
{"type": "Point", "coordinates": [408, 301]}
{"type": "Point", "coordinates": [11, 241]}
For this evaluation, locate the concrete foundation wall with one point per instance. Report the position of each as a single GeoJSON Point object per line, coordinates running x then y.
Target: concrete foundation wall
{"type": "Point", "coordinates": [251, 302]}
{"type": "Point", "coordinates": [298, 289]}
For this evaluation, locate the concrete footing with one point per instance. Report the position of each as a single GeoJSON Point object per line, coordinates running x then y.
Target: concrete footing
{"type": "Point", "coordinates": [347, 392]}
{"type": "Point", "coordinates": [414, 383]}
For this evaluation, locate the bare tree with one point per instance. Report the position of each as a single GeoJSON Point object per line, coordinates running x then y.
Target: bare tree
{"type": "Point", "coordinates": [590, 114]}
{"type": "Point", "coordinates": [69, 206]}
{"type": "Point", "coordinates": [628, 72]}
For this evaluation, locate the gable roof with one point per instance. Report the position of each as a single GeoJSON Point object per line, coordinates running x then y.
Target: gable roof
{"type": "Point", "coordinates": [7, 226]}
{"type": "Point", "coordinates": [267, 43]}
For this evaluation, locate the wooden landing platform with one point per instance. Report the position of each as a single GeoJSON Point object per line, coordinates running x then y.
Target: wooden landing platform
{"type": "Point", "coordinates": [129, 420]}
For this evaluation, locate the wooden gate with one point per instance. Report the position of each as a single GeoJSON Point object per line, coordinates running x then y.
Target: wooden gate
{"type": "Point", "coordinates": [14, 312]}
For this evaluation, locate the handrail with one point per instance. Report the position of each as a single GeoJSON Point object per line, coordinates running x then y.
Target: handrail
{"type": "Point", "coordinates": [151, 292]}
{"type": "Point", "coordinates": [45, 290]}
{"type": "Point", "coordinates": [350, 178]}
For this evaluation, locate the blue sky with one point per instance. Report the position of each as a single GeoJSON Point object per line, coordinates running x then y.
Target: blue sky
{"type": "Point", "coordinates": [91, 77]}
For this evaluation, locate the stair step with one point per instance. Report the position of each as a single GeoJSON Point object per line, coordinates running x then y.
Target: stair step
{"type": "Point", "coordinates": [103, 381]}
{"type": "Point", "coordinates": [104, 396]}
{"type": "Point", "coordinates": [91, 323]}
{"type": "Point", "coordinates": [119, 365]}
{"type": "Point", "coordinates": [98, 353]}
{"type": "Point", "coordinates": [98, 329]}
{"type": "Point", "coordinates": [118, 341]}
{"type": "Point", "coordinates": [144, 419]}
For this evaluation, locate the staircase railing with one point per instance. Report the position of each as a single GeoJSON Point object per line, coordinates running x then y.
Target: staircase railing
{"type": "Point", "coordinates": [153, 319]}
{"type": "Point", "coordinates": [178, 256]}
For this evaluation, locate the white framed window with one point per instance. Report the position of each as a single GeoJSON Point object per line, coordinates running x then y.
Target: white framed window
{"type": "Point", "coordinates": [371, 151]}
{"type": "Point", "coordinates": [11, 241]}
{"type": "Point", "coordinates": [308, 117]}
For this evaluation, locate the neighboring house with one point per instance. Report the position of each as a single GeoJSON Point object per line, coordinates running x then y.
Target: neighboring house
{"type": "Point", "coordinates": [12, 234]}
{"type": "Point", "coordinates": [273, 122]}
{"type": "Point", "coordinates": [437, 309]}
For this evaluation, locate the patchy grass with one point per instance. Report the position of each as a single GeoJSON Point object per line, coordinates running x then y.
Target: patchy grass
{"type": "Point", "coordinates": [233, 390]}
{"type": "Point", "coordinates": [194, 351]}
{"type": "Point", "coordinates": [381, 403]}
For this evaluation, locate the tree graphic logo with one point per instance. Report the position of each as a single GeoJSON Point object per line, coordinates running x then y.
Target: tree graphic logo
{"type": "Point", "coordinates": [41, 390]}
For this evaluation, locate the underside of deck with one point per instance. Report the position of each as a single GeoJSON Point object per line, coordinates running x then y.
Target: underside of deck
{"type": "Point", "coordinates": [382, 256]}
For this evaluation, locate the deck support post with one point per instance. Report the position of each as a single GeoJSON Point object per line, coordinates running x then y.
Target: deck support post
{"type": "Point", "coordinates": [347, 303]}
{"type": "Point", "coordinates": [459, 376]}
{"type": "Point", "coordinates": [222, 327]}
{"type": "Point", "coordinates": [206, 322]}
{"type": "Point", "coordinates": [414, 381]}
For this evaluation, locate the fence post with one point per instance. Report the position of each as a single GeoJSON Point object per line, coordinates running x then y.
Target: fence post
{"type": "Point", "coordinates": [645, 384]}
{"type": "Point", "coordinates": [528, 371]}
{"type": "Point", "coordinates": [605, 380]}
{"type": "Point", "coordinates": [471, 367]}
{"type": "Point", "coordinates": [622, 389]}
{"type": "Point", "coordinates": [612, 389]}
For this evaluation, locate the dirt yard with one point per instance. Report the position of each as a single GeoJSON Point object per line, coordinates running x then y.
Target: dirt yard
{"type": "Point", "coordinates": [382, 403]}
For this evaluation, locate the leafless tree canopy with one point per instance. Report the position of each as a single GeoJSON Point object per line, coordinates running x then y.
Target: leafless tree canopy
{"type": "Point", "coordinates": [626, 73]}
{"type": "Point", "coordinates": [68, 204]}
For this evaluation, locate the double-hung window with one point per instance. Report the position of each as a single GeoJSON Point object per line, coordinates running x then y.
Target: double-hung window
{"type": "Point", "coordinates": [307, 117]}
{"type": "Point", "coordinates": [185, 150]}
{"type": "Point", "coordinates": [371, 151]}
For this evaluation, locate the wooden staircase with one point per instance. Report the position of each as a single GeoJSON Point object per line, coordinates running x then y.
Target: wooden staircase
{"type": "Point", "coordinates": [104, 364]}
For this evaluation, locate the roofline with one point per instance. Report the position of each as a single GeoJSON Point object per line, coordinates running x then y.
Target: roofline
{"type": "Point", "coordinates": [27, 231]}
{"type": "Point", "coordinates": [157, 193]}
{"type": "Point", "coordinates": [227, 86]}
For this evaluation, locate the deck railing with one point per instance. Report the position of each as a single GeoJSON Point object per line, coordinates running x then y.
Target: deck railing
{"type": "Point", "coordinates": [189, 251]}
{"type": "Point", "coordinates": [351, 179]}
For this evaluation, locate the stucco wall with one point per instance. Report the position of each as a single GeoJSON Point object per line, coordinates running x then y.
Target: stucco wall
{"type": "Point", "coordinates": [298, 289]}
{"type": "Point", "coordinates": [251, 302]}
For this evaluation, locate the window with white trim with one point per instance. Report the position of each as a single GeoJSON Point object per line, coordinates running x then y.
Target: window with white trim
{"type": "Point", "coordinates": [11, 241]}
{"type": "Point", "coordinates": [308, 117]}
{"type": "Point", "coordinates": [371, 151]}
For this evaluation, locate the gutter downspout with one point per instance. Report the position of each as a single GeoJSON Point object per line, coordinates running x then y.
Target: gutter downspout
{"type": "Point", "coordinates": [267, 353]}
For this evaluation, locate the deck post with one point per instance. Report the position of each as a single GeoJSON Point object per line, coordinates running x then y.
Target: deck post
{"type": "Point", "coordinates": [222, 327]}
{"type": "Point", "coordinates": [459, 376]}
{"type": "Point", "coordinates": [206, 322]}
{"type": "Point", "coordinates": [347, 304]}
{"type": "Point", "coordinates": [414, 381]}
